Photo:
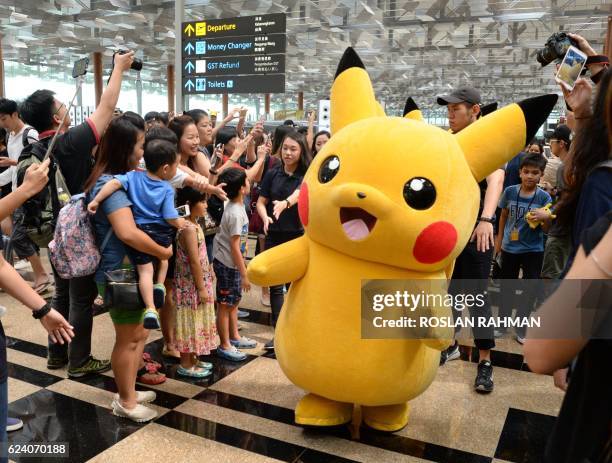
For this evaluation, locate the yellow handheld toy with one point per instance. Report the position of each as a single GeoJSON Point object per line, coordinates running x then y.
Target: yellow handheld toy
{"type": "Point", "coordinates": [386, 198]}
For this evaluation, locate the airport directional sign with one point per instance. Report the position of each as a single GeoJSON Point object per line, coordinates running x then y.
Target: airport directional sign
{"type": "Point", "coordinates": [260, 64]}
{"type": "Point", "coordinates": [234, 55]}
{"type": "Point", "coordinates": [245, 25]}
{"type": "Point", "coordinates": [270, 83]}
{"type": "Point", "coordinates": [236, 46]}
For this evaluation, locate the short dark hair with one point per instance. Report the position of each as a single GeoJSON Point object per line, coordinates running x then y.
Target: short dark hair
{"type": "Point", "coordinates": [157, 153]}
{"type": "Point", "coordinates": [533, 160]}
{"type": "Point", "coordinates": [164, 116]}
{"type": "Point", "coordinates": [161, 133]}
{"type": "Point", "coordinates": [135, 119]}
{"type": "Point", "coordinates": [196, 114]}
{"type": "Point", "coordinates": [151, 116]}
{"type": "Point", "coordinates": [189, 195]}
{"type": "Point", "coordinates": [234, 179]}
{"type": "Point", "coordinates": [38, 109]}
{"type": "Point", "coordinates": [7, 106]}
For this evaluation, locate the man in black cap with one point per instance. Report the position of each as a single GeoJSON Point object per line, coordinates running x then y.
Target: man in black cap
{"type": "Point", "coordinates": [474, 263]}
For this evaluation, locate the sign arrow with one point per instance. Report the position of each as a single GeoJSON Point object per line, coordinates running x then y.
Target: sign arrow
{"type": "Point", "coordinates": [189, 67]}
{"type": "Point", "coordinates": [189, 48]}
{"type": "Point", "coordinates": [189, 30]}
{"type": "Point", "coordinates": [188, 84]}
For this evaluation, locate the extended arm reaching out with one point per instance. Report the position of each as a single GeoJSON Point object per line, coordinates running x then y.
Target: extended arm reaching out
{"type": "Point", "coordinates": [107, 190]}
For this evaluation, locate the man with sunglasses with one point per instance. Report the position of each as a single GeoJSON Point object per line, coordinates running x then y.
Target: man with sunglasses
{"type": "Point", "coordinates": [73, 155]}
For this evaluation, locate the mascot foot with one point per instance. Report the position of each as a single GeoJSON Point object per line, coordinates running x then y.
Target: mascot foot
{"type": "Point", "coordinates": [388, 418]}
{"type": "Point", "coordinates": [314, 410]}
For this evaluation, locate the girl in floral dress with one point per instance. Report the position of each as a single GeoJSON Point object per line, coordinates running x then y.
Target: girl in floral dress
{"type": "Point", "coordinates": [195, 331]}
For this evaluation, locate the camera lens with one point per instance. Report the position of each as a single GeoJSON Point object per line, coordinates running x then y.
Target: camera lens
{"type": "Point", "coordinates": [136, 64]}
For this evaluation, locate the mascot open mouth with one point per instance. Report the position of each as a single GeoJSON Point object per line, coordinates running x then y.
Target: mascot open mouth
{"type": "Point", "coordinates": [356, 223]}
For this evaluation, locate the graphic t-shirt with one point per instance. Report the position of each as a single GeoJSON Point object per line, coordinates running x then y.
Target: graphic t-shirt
{"type": "Point", "coordinates": [234, 222]}
{"type": "Point", "coordinates": [529, 240]}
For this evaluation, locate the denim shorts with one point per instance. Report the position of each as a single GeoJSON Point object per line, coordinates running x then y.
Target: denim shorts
{"type": "Point", "coordinates": [229, 284]}
{"type": "Point", "coordinates": [162, 234]}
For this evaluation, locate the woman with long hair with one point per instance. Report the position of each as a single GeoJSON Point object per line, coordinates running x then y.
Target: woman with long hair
{"type": "Point", "coordinates": [588, 173]}
{"type": "Point", "coordinates": [120, 151]}
{"type": "Point", "coordinates": [277, 201]}
{"type": "Point", "coordinates": [321, 137]}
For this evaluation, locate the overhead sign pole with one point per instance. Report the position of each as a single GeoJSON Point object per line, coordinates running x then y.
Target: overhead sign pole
{"type": "Point", "coordinates": [179, 12]}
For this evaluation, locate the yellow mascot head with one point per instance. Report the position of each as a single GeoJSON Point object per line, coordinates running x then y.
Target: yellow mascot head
{"type": "Point", "coordinates": [396, 190]}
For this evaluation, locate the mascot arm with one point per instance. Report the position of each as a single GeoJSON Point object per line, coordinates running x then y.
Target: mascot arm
{"type": "Point", "coordinates": [440, 338]}
{"type": "Point", "coordinates": [281, 264]}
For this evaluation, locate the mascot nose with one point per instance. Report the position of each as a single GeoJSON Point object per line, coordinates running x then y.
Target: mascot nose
{"type": "Point", "coordinates": [363, 196]}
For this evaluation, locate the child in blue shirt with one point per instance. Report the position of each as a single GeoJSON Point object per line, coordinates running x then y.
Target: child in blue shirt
{"type": "Point", "coordinates": [522, 247]}
{"type": "Point", "coordinates": [152, 199]}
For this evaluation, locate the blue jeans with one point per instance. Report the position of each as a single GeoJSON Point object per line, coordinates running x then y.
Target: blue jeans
{"type": "Point", "coordinates": [3, 419]}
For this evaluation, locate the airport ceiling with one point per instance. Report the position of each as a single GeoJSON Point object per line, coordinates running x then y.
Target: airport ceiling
{"type": "Point", "coordinates": [418, 48]}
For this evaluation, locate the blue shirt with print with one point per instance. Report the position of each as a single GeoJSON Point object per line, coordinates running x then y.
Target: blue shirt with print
{"type": "Point", "coordinates": [530, 240]}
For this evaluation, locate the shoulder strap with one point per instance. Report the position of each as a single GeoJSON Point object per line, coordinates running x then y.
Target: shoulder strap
{"type": "Point", "coordinates": [607, 163]}
{"type": "Point", "coordinates": [109, 233]}
{"type": "Point", "coordinates": [24, 137]}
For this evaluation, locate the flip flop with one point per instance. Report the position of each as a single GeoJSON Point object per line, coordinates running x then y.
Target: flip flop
{"type": "Point", "coordinates": [43, 287]}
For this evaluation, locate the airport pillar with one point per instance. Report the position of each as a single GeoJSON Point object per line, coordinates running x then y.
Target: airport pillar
{"type": "Point", "coordinates": [97, 62]}
{"type": "Point", "coordinates": [608, 43]}
{"type": "Point", "coordinates": [170, 76]}
{"type": "Point", "coordinates": [300, 101]}
{"type": "Point", "coordinates": [225, 105]}
{"type": "Point", "coordinates": [1, 70]}
{"type": "Point", "coordinates": [267, 105]}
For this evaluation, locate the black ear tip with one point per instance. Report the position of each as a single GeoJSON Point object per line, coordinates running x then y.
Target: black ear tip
{"type": "Point", "coordinates": [350, 59]}
{"type": "Point", "coordinates": [536, 111]}
{"type": "Point", "coordinates": [488, 108]}
{"type": "Point", "coordinates": [410, 106]}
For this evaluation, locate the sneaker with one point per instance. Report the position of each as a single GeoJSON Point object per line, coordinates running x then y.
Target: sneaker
{"type": "Point", "coordinates": [520, 339]}
{"type": "Point", "coordinates": [244, 343]}
{"type": "Point", "coordinates": [232, 354]}
{"type": "Point", "coordinates": [193, 373]}
{"type": "Point", "coordinates": [55, 363]}
{"type": "Point", "coordinates": [13, 424]}
{"type": "Point", "coordinates": [159, 295]}
{"type": "Point", "coordinates": [499, 333]}
{"type": "Point", "coordinates": [139, 413]}
{"type": "Point", "coordinates": [265, 299]}
{"type": "Point", "coordinates": [142, 397]}
{"type": "Point", "coordinates": [2, 311]}
{"type": "Point", "coordinates": [243, 314]}
{"type": "Point", "coordinates": [269, 345]}
{"type": "Point", "coordinates": [151, 319]}
{"type": "Point", "coordinates": [91, 366]}
{"type": "Point", "coordinates": [449, 354]}
{"type": "Point", "coordinates": [484, 377]}
{"type": "Point", "coordinates": [22, 265]}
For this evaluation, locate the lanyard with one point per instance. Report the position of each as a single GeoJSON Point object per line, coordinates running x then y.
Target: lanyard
{"type": "Point", "coordinates": [530, 202]}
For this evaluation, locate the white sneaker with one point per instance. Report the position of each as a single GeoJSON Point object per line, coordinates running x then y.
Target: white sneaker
{"type": "Point", "coordinates": [142, 397]}
{"type": "Point", "coordinates": [2, 311]}
{"type": "Point", "coordinates": [520, 339]}
{"type": "Point", "coordinates": [22, 265]}
{"type": "Point", "coordinates": [139, 413]}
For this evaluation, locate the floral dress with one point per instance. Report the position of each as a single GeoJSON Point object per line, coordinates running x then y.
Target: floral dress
{"type": "Point", "coordinates": [195, 329]}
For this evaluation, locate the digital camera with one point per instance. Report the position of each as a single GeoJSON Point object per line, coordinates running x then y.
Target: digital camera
{"type": "Point", "coordinates": [555, 48]}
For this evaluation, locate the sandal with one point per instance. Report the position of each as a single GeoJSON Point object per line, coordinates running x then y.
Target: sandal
{"type": "Point", "coordinates": [171, 353]}
{"type": "Point", "coordinates": [193, 373]}
{"type": "Point", "coordinates": [149, 375]}
{"type": "Point", "coordinates": [98, 303]}
{"type": "Point", "coordinates": [43, 287]}
{"type": "Point", "coordinates": [148, 359]}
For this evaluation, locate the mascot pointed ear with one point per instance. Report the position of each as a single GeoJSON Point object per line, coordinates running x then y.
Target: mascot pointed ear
{"type": "Point", "coordinates": [412, 111]}
{"type": "Point", "coordinates": [495, 139]}
{"type": "Point", "coordinates": [352, 95]}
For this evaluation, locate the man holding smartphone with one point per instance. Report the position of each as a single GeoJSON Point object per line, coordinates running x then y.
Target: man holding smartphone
{"type": "Point", "coordinates": [72, 153]}
{"type": "Point", "coordinates": [474, 263]}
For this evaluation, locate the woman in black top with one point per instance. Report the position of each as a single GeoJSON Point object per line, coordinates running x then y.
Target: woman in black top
{"type": "Point", "coordinates": [276, 204]}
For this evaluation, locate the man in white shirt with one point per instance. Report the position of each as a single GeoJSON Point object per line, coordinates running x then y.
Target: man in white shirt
{"type": "Point", "coordinates": [19, 136]}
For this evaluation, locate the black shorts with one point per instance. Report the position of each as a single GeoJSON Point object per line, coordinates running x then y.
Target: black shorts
{"type": "Point", "coordinates": [162, 234]}
{"type": "Point", "coordinates": [22, 245]}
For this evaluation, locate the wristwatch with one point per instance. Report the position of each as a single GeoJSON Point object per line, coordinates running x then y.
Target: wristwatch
{"type": "Point", "coordinates": [40, 313]}
{"type": "Point", "coordinates": [490, 220]}
{"type": "Point", "coordinates": [288, 203]}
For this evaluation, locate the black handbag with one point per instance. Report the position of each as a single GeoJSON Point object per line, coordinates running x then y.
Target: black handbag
{"type": "Point", "coordinates": [122, 290]}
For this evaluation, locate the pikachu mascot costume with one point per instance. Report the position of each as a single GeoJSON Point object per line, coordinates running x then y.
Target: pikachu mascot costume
{"type": "Point", "coordinates": [386, 198]}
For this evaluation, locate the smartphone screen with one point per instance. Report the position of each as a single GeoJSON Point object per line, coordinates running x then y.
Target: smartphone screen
{"type": "Point", "coordinates": [571, 67]}
{"type": "Point", "coordinates": [80, 68]}
{"type": "Point", "coordinates": [183, 211]}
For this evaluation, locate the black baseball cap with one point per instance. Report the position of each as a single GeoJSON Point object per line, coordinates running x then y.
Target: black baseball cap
{"type": "Point", "coordinates": [562, 132]}
{"type": "Point", "coordinates": [460, 95]}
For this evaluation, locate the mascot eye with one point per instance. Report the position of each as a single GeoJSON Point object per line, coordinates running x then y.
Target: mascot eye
{"type": "Point", "coordinates": [329, 169]}
{"type": "Point", "coordinates": [419, 193]}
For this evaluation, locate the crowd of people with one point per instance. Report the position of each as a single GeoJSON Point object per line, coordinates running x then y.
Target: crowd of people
{"type": "Point", "coordinates": [179, 195]}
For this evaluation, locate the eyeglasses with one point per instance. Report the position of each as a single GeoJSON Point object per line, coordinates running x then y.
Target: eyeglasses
{"type": "Point", "coordinates": [554, 141]}
{"type": "Point", "coordinates": [58, 109]}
